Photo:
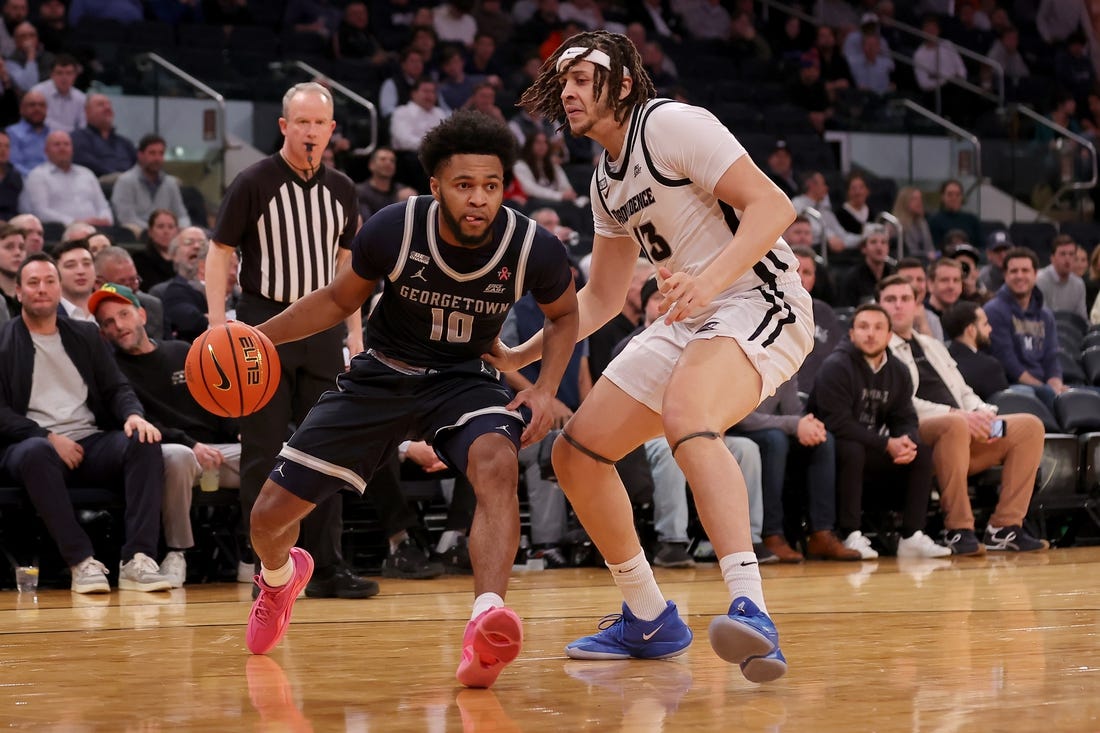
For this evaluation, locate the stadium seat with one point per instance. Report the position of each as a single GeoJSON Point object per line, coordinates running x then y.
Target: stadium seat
{"type": "Point", "coordinates": [1090, 360]}
{"type": "Point", "coordinates": [1057, 487]}
{"type": "Point", "coordinates": [1013, 401]}
{"type": "Point", "coordinates": [1073, 319]}
{"type": "Point", "coordinates": [1092, 338]}
{"type": "Point", "coordinates": [1078, 410]}
{"type": "Point", "coordinates": [1070, 339]}
{"type": "Point", "coordinates": [1072, 373]}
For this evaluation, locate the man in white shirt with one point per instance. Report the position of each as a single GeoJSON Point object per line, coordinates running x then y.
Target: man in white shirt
{"type": "Point", "coordinates": [409, 124]}
{"type": "Point", "coordinates": [966, 435]}
{"type": "Point", "coordinates": [58, 190]}
{"type": "Point", "coordinates": [64, 102]}
{"type": "Point", "coordinates": [936, 61]}
{"type": "Point", "coordinates": [1062, 289]}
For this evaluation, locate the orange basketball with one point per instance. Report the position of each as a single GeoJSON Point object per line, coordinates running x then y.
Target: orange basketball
{"type": "Point", "coordinates": [232, 370]}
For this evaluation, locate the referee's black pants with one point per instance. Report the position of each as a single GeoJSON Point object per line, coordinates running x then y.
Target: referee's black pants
{"type": "Point", "coordinates": [310, 367]}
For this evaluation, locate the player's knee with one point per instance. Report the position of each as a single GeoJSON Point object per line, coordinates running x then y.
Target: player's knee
{"type": "Point", "coordinates": [493, 466]}
{"type": "Point", "coordinates": [268, 512]}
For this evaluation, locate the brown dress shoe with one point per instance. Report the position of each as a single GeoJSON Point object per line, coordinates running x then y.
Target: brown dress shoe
{"type": "Point", "coordinates": [824, 545]}
{"type": "Point", "coordinates": [777, 543]}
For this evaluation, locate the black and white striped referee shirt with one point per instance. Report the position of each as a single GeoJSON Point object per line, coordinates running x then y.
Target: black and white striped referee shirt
{"type": "Point", "coordinates": [287, 229]}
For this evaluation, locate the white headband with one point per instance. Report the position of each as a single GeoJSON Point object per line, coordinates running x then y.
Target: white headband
{"type": "Point", "coordinates": [594, 55]}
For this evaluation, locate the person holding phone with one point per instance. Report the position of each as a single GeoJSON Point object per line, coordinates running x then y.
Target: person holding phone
{"type": "Point", "coordinates": [966, 435]}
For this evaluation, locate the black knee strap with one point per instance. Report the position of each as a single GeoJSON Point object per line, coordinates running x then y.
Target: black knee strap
{"type": "Point", "coordinates": [701, 434]}
{"type": "Point", "coordinates": [594, 456]}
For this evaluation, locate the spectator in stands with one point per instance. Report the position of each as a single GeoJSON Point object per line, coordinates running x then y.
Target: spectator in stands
{"type": "Point", "coordinates": [424, 41]}
{"type": "Point", "coordinates": [936, 61]}
{"type": "Point", "coordinates": [53, 25]}
{"type": "Point", "coordinates": [969, 30]}
{"type": "Point", "coordinates": [925, 321]}
{"type": "Point", "coordinates": [32, 231]}
{"type": "Point", "coordinates": [58, 190]}
{"type": "Point", "coordinates": [1092, 280]}
{"type": "Point", "coordinates": [13, 250]}
{"type": "Point", "coordinates": [746, 43]}
{"type": "Point", "coordinates": [311, 16]}
{"type": "Point", "coordinates": [184, 295]}
{"type": "Point", "coordinates": [658, 19]}
{"type": "Point", "coordinates": [951, 216]}
{"type": "Point", "coordinates": [64, 102]}
{"type": "Point", "coordinates": [860, 282]}
{"type": "Point", "coordinates": [28, 136]}
{"type": "Point", "coordinates": [1081, 268]}
{"type": "Point", "coordinates": [116, 265]}
{"type": "Point", "coordinates": [1057, 21]}
{"type": "Point", "coordinates": [380, 189]}
{"type": "Point", "coordinates": [662, 70]}
{"type": "Point", "coordinates": [808, 91]}
{"type": "Point", "coordinates": [453, 22]}
{"type": "Point", "coordinates": [396, 90]}
{"type": "Point", "coordinates": [455, 87]}
{"type": "Point", "coordinates": [707, 20]}
{"type": "Point", "coordinates": [1062, 289]}
{"type": "Point", "coordinates": [76, 270]}
{"type": "Point", "coordinates": [77, 230]}
{"type": "Point", "coordinates": [26, 62]}
{"type": "Point", "coordinates": [916, 234]}
{"type": "Point", "coordinates": [869, 27]}
{"type": "Point", "coordinates": [86, 426]}
{"type": "Point", "coordinates": [602, 343]}
{"type": "Point", "coordinates": [353, 40]}
{"type": "Point", "coordinates": [99, 242]}
{"type": "Point", "coordinates": [484, 100]}
{"type": "Point", "coordinates": [408, 125]}
{"type": "Point", "coordinates": [120, 11]}
{"type": "Point", "coordinates": [827, 329]}
{"type": "Point", "coordinates": [872, 68]}
{"type": "Point", "coordinates": [854, 214]}
{"type": "Point", "coordinates": [1025, 338]}
{"type": "Point", "coordinates": [968, 331]}
{"type": "Point", "coordinates": [154, 264]}
{"type": "Point", "coordinates": [11, 181]}
{"type": "Point", "coordinates": [992, 274]}
{"type": "Point", "coordinates": [968, 256]}
{"type": "Point", "coordinates": [864, 397]}
{"type": "Point", "coordinates": [12, 13]}
{"type": "Point", "coordinates": [945, 286]}
{"type": "Point", "coordinates": [780, 169]}
{"type": "Point", "coordinates": [956, 426]}
{"type": "Point", "coordinates": [97, 146]}
{"type": "Point", "coordinates": [540, 177]}
{"type": "Point", "coordinates": [145, 187]}
{"type": "Point", "coordinates": [1006, 51]}
{"type": "Point", "coordinates": [1074, 69]}
{"type": "Point", "coordinates": [493, 21]}
{"type": "Point", "coordinates": [835, 72]}
{"type": "Point", "coordinates": [815, 195]}
{"type": "Point", "coordinates": [194, 440]}
{"type": "Point", "coordinates": [482, 64]}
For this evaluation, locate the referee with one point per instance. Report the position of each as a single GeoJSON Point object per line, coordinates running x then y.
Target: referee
{"type": "Point", "coordinates": [293, 220]}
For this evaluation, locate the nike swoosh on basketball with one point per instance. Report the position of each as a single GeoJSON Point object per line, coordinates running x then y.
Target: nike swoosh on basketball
{"type": "Point", "coordinates": [221, 372]}
{"type": "Point", "coordinates": [647, 637]}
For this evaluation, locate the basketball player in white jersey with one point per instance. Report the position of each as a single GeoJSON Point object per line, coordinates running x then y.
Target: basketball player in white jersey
{"type": "Point", "coordinates": [737, 324]}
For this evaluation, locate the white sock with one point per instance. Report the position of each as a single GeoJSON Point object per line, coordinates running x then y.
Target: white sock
{"type": "Point", "coordinates": [281, 576]}
{"type": "Point", "coordinates": [397, 539]}
{"type": "Point", "coordinates": [635, 580]}
{"type": "Point", "coordinates": [741, 572]}
{"type": "Point", "coordinates": [447, 540]}
{"type": "Point", "coordinates": [484, 602]}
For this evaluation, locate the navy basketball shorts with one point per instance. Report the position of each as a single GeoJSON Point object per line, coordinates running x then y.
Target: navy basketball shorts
{"type": "Point", "coordinates": [352, 430]}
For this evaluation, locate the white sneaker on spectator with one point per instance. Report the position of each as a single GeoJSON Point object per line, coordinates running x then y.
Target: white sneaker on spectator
{"type": "Point", "coordinates": [174, 567]}
{"type": "Point", "coordinates": [142, 573]}
{"type": "Point", "coordinates": [90, 576]}
{"type": "Point", "coordinates": [856, 541]}
{"type": "Point", "coordinates": [921, 545]}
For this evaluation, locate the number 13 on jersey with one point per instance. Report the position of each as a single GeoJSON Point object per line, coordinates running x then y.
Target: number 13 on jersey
{"type": "Point", "coordinates": [655, 246]}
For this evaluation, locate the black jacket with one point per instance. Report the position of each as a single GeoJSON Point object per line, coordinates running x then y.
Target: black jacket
{"type": "Point", "coordinates": [858, 404]}
{"type": "Point", "coordinates": [110, 397]}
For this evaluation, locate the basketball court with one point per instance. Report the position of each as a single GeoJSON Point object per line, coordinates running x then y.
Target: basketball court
{"type": "Point", "coordinates": [998, 643]}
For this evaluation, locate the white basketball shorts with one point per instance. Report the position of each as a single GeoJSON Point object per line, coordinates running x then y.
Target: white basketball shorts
{"type": "Point", "coordinates": [774, 324]}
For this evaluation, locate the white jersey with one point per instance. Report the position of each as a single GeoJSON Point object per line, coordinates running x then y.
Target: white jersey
{"type": "Point", "coordinates": [660, 193]}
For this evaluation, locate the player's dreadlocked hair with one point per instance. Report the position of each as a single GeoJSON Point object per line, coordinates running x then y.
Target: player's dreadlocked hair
{"type": "Point", "coordinates": [543, 97]}
{"type": "Point", "coordinates": [467, 132]}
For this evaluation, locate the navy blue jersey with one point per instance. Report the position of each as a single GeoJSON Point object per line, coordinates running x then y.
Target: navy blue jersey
{"type": "Point", "coordinates": [443, 304]}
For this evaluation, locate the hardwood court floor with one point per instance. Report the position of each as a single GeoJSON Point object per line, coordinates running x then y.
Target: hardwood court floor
{"type": "Point", "coordinates": [1000, 643]}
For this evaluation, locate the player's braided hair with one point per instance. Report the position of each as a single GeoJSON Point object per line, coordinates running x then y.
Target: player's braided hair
{"type": "Point", "coordinates": [543, 97]}
{"type": "Point", "coordinates": [467, 132]}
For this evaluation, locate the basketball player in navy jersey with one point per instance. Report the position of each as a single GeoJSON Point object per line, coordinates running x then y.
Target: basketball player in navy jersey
{"type": "Point", "coordinates": [738, 323]}
{"type": "Point", "coordinates": [454, 263]}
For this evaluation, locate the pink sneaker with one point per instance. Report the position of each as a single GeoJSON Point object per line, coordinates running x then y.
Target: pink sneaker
{"type": "Point", "coordinates": [271, 610]}
{"type": "Point", "coordinates": [491, 641]}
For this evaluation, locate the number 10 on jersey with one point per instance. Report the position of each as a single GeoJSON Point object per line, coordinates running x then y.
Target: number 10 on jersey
{"type": "Point", "coordinates": [460, 326]}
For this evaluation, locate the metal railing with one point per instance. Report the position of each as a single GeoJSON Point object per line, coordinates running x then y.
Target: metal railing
{"type": "Point", "coordinates": [162, 63]}
{"type": "Point", "coordinates": [958, 132]}
{"type": "Point", "coordinates": [358, 99]}
{"type": "Point", "coordinates": [1084, 142]}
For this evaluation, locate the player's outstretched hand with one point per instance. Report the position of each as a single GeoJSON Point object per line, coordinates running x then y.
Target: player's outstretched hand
{"type": "Point", "coordinates": [540, 402]}
{"type": "Point", "coordinates": [504, 357]}
{"type": "Point", "coordinates": [685, 295]}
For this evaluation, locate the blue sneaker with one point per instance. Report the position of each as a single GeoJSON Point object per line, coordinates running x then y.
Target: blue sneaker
{"type": "Point", "coordinates": [746, 636]}
{"type": "Point", "coordinates": [624, 635]}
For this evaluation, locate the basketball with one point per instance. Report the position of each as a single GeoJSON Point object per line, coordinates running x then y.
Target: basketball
{"type": "Point", "coordinates": [232, 370]}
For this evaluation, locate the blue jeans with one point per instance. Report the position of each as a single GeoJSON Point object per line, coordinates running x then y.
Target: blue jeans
{"type": "Point", "coordinates": [776, 449]}
{"type": "Point", "coordinates": [670, 508]}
